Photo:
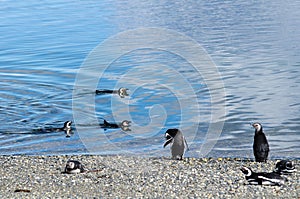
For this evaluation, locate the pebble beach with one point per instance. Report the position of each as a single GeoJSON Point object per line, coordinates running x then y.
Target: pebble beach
{"type": "Point", "coordinates": [137, 177]}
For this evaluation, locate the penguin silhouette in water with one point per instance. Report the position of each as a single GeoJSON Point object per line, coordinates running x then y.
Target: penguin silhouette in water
{"type": "Point", "coordinates": [260, 144]}
{"type": "Point", "coordinates": [66, 128]}
{"type": "Point", "coordinates": [124, 125]}
{"type": "Point", "coordinates": [122, 92]}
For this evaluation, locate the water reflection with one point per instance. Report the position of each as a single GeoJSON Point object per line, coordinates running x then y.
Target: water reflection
{"type": "Point", "coordinates": [254, 44]}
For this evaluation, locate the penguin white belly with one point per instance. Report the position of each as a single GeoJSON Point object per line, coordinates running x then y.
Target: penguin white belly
{"type": "Point", "coordinates": [177, 148]}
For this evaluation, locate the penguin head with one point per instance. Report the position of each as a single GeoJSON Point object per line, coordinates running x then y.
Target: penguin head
{"type": "Point", "coordinates": [123, 92]}
{"type": "Point", "coordinates": [70, 164]}
{"type": "Point", "coordinates": [257, 126]}
{"type": "Point", "coordinates": [246, 171]}
{"type": "Point", "coordinates": [169, 135]}
{"type": "Point", "coordinates": [284, 166]}
{"type": "Point", "coordinates": [125, 123]}
{"type": "Point", "coordinates": [67, 124]}
{"type": "Point", "coordinates": [74, 166]}
{"type": "Point", "coordinates": [289, 165]}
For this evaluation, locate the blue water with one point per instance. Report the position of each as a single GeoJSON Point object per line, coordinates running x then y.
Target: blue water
{"type": "Point", "coordinates": [254, 47]}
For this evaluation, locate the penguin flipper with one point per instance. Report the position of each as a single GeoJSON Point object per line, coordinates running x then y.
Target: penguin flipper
{"type": "Point", "coordinates": [275, 181]}
{"type": "Point", "coordinates": [186, 144]}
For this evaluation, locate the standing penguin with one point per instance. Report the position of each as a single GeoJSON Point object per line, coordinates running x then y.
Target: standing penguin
{"type": "Point", "coordinates": [260, 144]}
{"type": "Point", "coordinates": [177, 141]}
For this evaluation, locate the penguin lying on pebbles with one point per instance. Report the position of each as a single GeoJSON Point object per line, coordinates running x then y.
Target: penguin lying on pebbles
{"type": "Point", "coordinates": [177, 141]}
{"type": "Point", "coordinates": [260, 144]}
{"type": "Point", "coordinates": [263, 178]}
{"type": "Point", "coordinates": [284, 167]}
{"type": "Point", "coordinates": [74, 166]}
{"type": "Point", "coordinates": [124, 125]}
{"type": "Point", "coordinates": [122, 92]}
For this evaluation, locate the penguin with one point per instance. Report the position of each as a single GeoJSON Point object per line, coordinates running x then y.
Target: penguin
{"type": "Point", "coordinates": [74, 166]}
{"type": "Point", "coordinates": [260, 144]}
{"type": "Point", "coordinates": [177, 141]}
{"type": "Point", "coordinates": [66, 128]}
{"type": "Point", "coordinates": [122, 92]}
{"type": "Point", "coordinates": [263, 178]}
{"type": "Point", "coordinates": [124, 125]}
{"type": "Point", "coordinates": [284, 167]}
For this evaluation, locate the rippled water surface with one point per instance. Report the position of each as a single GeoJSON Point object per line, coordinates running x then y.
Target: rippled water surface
{"type": "Point", "coordinates": [45, 45]}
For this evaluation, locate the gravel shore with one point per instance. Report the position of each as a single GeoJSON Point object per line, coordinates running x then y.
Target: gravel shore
{"type": "Point", "coordinates": [135, 177]}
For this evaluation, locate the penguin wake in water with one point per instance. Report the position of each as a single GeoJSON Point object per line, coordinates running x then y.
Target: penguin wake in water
{"type": "Point", "coordinates": [263, 178]}
{"type": "Point", "coordinates": [124, 125]}
{"type": "Point", "coordinates": [177, 141]}
{"type": "Point", "coordinates": [260, 144]}
{"type": "Point", "coordinates": [66, 128]}
{"type": "Point", "coordinates": [284, 167]}
{"type": "Point", "coordinates": [122, 92]}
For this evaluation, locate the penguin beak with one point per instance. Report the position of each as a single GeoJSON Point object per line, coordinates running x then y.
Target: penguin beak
{"type": "Point", "coordinates": [168, 142]}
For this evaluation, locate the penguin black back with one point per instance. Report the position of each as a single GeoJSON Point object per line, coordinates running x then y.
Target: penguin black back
{"type": "Point", "coordinates": [260, 144]}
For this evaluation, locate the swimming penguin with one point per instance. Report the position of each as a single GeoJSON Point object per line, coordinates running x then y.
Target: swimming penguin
{"type": "Point", "coordinates": [263, 178]}
{"type": "Point", "coordinates": [177, 141]}
{"type": "Point", "coordinates": [122, 92]}
{"type": "Point", "coordinates": [284, 167]}
{"type": "Point", "coordinates": [260, 144]}
{"type": "Point", "coordinates": [66, 127]}
{"type": "Point", "coordinates": [74, 166]}
{"type": "Point", "coordinates": [124, 125]}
